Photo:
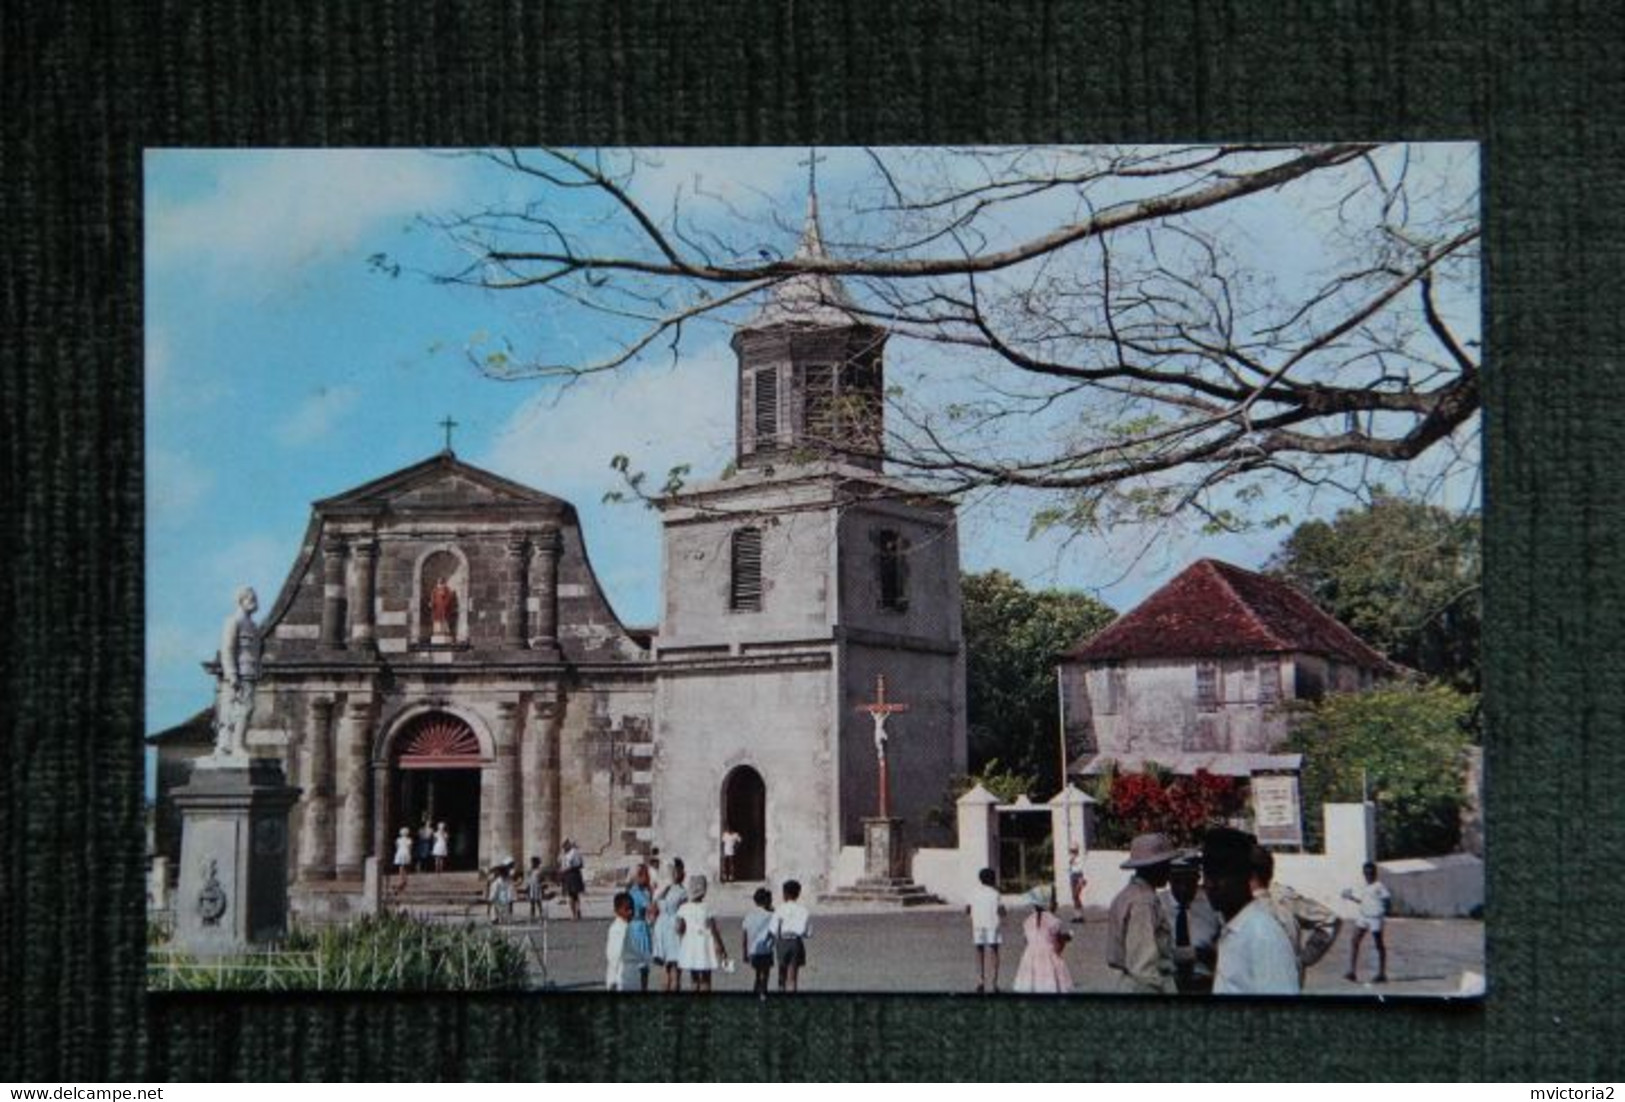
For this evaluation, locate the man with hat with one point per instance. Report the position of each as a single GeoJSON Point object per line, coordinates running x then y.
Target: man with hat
{"type": "Point", "coordinates": [1139, 939]}
{"type": "Point", "coordinates": [1255, 955]}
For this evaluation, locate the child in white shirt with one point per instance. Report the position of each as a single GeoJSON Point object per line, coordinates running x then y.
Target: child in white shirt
{"type": "Point", "coordinates": [615, 961]}
{"type": "Point", "coordinates": [1373, 897]}
{"type": "Point", "coordinates": [985, 912]}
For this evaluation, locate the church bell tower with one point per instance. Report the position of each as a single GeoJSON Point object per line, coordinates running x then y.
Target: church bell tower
{"type": "Point", "coordinates": [811, 375]}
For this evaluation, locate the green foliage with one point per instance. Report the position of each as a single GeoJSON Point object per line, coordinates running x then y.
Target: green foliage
{"type": "Point", "coordinates": [1403, 575]}
{"type": "Point", "coordinates": [1012, 637]}
{"type": "Point", "coordinates": [1407, 743]}
{"type": "Point", "coordinates": [1005, 784]}
{"type": "Point", "coordinates": [387, 952]}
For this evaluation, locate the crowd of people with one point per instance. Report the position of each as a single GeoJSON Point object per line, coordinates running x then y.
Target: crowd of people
{"type": "Point", "coordinates": [1214, 921]}
{"type": "Point", "coordinates": [1189, 922]}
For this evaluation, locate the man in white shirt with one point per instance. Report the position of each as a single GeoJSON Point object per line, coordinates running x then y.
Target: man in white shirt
{"type": "Point", "coordinates": [1255, 955]}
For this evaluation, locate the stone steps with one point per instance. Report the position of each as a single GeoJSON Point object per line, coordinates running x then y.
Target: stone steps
{"type": "Point", "coordinates": [891, 891]}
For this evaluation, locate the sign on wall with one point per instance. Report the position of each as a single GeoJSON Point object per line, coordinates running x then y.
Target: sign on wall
{"type": "Point", "coordinates": [1277, 819]}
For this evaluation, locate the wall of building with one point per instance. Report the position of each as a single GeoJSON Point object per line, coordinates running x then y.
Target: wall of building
{"type": "Point", "coordinates": [798, 565]}
{"type": "Point", "coordinates": [775, 719]}
{"type": "Point", "coordinates": [1158, 714]}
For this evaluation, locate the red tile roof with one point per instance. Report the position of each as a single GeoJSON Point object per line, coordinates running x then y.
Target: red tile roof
{"type": "Point", "coordinates": [1215, 610]}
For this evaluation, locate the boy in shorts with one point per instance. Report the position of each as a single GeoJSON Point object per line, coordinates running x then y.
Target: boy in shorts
{"type": "Point", "coordinates": [791, 927]}
{"type": "Point", "coordinates": [758, 939]}
{"type": "Point", "coordinates": [1373, 897]}
{"type": "Point", "coordinates": [985, 912]}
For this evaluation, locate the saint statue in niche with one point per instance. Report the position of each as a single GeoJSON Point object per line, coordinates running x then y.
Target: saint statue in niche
{"type": "Point", "coordinates": [442, 612]}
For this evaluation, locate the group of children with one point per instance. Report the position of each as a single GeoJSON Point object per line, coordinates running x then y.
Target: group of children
{"type": "Point", "coordinates": [677, 932]}
{"type": "Point", "coordinates": [1042, 969]}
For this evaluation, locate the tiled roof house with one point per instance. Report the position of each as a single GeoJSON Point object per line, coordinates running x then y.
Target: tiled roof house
{"type": "Point", "coordinates": [1194, 675]}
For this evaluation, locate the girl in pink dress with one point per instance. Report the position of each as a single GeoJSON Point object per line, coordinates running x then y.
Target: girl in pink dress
{"type": "Point", "coordinates": [1042, 970]}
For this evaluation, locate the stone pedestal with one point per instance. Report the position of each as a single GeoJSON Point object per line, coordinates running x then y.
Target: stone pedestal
{"type": "Point", "coordinates": [885, 877]}
{"type": "Point", "coordinates": [234, 857]}
{"type": "Point", "coordinates": [883, 854]}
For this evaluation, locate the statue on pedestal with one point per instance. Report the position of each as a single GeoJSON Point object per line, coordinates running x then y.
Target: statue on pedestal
{"type": "Point", "coordinates": [239, 674]}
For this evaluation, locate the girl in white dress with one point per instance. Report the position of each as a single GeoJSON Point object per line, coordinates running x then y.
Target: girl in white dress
{"type": "Point", "coordinates": [702, 944]}
{"type": "Point", "coordinates": [403, 857]}
{"type": "Point", "coordinates": [442, 847]}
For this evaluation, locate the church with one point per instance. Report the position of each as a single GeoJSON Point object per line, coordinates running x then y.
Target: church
{"type": "Point", "coordinates": [442, 651]}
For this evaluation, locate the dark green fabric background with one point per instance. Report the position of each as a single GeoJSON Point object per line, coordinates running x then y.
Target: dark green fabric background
{"type": "Point", "coordinates": [88, 86]}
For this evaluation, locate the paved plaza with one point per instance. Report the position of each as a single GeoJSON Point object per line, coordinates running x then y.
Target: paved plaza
{"type": "Point", "coordinates": [927, 949]}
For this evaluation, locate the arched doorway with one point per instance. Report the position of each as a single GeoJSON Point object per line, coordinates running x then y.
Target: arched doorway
{"type": "Point", "coordinates": [744, 811]}
{"type": "Point", "coordinates": [437, 779]}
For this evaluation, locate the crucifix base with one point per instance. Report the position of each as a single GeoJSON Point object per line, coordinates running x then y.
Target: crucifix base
{"type": "Point", "coordinates": [883, 855]}
{"type": "Point", "coordinates": [885, 877]}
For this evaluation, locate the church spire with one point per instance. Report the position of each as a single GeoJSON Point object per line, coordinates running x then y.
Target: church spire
{"type": "Point", "coordinates": [811, 299]}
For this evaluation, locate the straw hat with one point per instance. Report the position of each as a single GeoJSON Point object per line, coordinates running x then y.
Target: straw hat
{"type": "Point", "coordinates": [1150, 849]}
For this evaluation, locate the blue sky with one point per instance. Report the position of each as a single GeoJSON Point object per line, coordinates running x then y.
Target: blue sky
{"type": "Point", "coordinates": [281, 367]}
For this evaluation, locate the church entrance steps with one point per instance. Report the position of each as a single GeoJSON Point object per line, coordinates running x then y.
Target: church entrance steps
{"type": "Point", "coordinates": [889, 891]}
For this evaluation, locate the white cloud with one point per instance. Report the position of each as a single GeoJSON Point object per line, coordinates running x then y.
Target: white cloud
{"type": "Point", "coordinates": [316, 415]}
{"type": "Point", "coordinates": [563, 441]}
{"type": "Point", "coordinates": [175, 485]}
{"type": "Point", "coordinates": [274, 211]}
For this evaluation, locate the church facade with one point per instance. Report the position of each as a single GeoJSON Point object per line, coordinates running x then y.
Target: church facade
{"type": "Point", "coordinates": [442, 651]}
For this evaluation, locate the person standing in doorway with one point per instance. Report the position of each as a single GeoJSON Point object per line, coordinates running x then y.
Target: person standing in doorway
{"type": "Point", "coordinates": [730, 848]}
{"type": "Point", "coordinates": [423, 848]}
{"type": "Point", "coordinates": [403, 858]}
{"type": "Point", "coordinates": [570, 865]}
{"type": "Point", "coordinates": [442, 847]}
{"type": "Point", "coordinates": [1373, 897]}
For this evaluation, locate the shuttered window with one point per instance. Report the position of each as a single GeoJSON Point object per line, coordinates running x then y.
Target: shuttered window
{"type": "Point", "coordinates": [892, 579]}
{"type": "Point", "coordinates": [1207, 687]}
{"type": "Point", "coordinates": [1269, 681]}
{"type": "Point", "coordinates": [766, 394]}
{"type": "Point", "coordinates": [745, 588]}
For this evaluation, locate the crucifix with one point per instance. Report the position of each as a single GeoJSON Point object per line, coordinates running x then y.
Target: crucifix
{"type": "Point", "coordinates": [448, 424]}
{"type": "Point", "coordinates": [878, 710]}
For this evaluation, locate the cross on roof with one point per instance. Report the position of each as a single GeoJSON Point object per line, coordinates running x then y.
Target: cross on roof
{"type": "Point", "coordinates": [812, 169]}
{"type": "Point", "coordinates": [880, 706]}
{"type": "Point", "coordinates": [448, 424]}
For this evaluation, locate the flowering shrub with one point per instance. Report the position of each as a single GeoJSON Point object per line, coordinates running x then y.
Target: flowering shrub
{"type": "Point", "coordinates": [1182, 807]}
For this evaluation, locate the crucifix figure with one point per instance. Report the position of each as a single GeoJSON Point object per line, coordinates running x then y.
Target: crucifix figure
{"type": "Point", "coordinates": [448, 424]}
{"type": "Point", "coordinates": [878, 710]}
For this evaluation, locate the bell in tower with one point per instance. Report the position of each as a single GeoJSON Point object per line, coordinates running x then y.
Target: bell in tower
{"type": "Point", "coordinates": [811, 379]}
